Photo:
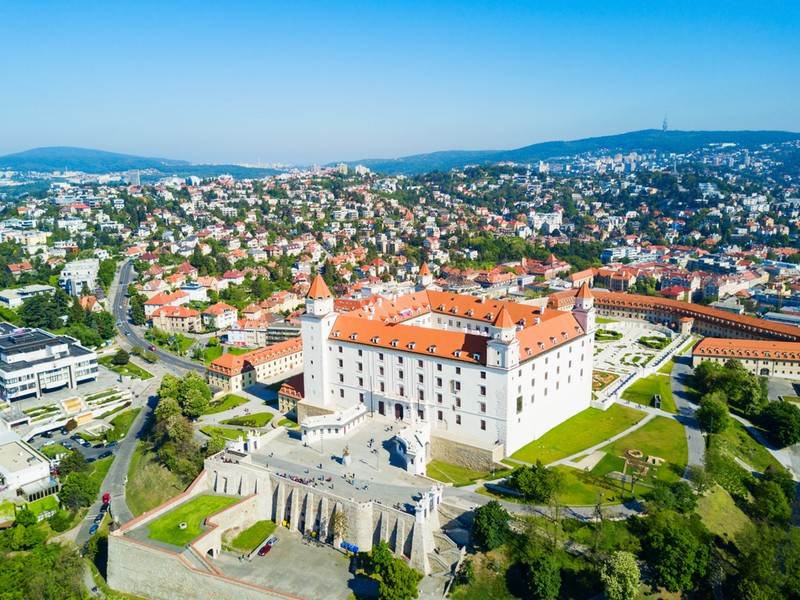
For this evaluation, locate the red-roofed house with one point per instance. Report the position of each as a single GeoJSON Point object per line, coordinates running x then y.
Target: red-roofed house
{"type": "Point", "coordinates": [174, 299]}
{"type": "Point", "coordinates": [176, 319]}
{"type": "Point", "coordinates": [220, 316]}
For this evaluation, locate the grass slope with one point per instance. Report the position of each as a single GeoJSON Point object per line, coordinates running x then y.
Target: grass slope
{"type": "Point", "coordinates": [643, 390]}
{"type": "Point", "coordinates": [250, 538]}
{"type": "Point", "coordinates": [149, 482]}
{"type": "Point", "coordinates": [586, 429]}
{"type": "Point", "coordinates": [167, 528]}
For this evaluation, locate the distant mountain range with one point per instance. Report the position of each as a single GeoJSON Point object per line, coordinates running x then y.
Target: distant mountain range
{"type": "Point", "coordinates": [66, 158]}
{"type": "Point", "coordinates": [61, 158]}
{"type": "Point", "coordinates": [645, 140]}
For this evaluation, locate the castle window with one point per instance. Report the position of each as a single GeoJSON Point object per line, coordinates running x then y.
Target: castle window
{"type": "Point", "coordinates": [482, 390]}
{"type": "Point", "coordinates": [483, 425]}
{"type": "Point", "coordinates": [458, 419]}
{"type": "Point", "coordinates": [439, 415]}
{"type": "Point", "coordinates": [483, 374]}
{"type": "Point", "coordinates": [482, 406]}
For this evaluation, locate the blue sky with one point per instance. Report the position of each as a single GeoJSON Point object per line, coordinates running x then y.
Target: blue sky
{"type": "Point", "coordinates": [309, 82]}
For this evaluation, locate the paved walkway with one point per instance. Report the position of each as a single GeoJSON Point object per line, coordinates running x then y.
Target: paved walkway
{"type": "Point", "coordinates": [694, 437]}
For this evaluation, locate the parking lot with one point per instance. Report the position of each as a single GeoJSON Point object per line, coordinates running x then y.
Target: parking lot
{"type": "Point", "coordinates": [295, 566]}
{"type": "Point", "coordinates": [69, 441]}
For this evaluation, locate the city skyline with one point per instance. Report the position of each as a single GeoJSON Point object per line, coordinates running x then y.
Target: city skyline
{"type": "Point", "coordinates": [315, 83]}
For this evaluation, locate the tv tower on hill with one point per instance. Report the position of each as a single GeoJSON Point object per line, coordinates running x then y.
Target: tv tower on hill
{"type": "Point", "coordinates": [664, 122]}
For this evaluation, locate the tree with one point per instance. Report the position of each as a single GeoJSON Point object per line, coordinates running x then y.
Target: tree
{"type": "Point", "coordinates": [544, 576]}
{"type": "Point", "coordinates": [121, 358]}
{"type": "Point", "coordinates": [620, 576]}
{"type": "Point", "coordinates": [380, 557]}
{"type": "Point", "coordinates": [25, 518]}
{"type": "Point", "coordinates": [701, 479]}
{"type": "Point", "coordinates": [783, 478]}
{"type": "Point", "coordinates": [399, 581]}
{"type": "Point", "coordinates": [676, 549]}
{"type": "Point", "coordinates": [78, 490]}
{"type": "Point", "coordinates": [105, 274]}
{"type": "Point", "coordinates": [77, 314]}
{"type": "Point", "coordinates": [170, 387]}
{"type": "Point", "coordinates": [103, 323]}
{"type": "Point", "coordinates": [73, 462]}
{"type": "Point", "coordinates": [339, 525]}
{"type": "Point", "coordinates": [215, 444]}
{"type": "Point", "coordinates": [138, 316]}
{"type": "Point", "coordinates": [677, 496]}
{"type": "Point", "coordinates": [781, 422]}
{"type": "Point", "coordinates": [193, 403]}
{"type": "Point", "coordinates": [713, 414]}
{"type": "Point", "coordinates": [490, 525]}
{"type": "Point", "coordinates": [536, 483]}
{"type": "Point", "coordinates": [770, 503]}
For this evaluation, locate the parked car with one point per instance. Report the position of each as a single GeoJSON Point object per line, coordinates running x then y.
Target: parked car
{"type": "Point", "coordinates": [99, 445]}
{"type": "Point", "coordinates": [94, 529]}
{"type": "Point", "coordinates": [106, 498]}
{"type": "Point", "coordinates": [64, 431]}
{"type": "Point", "coordinates": [273, 540]}
{"type": "Point", "coordinates": [151, 348]}
{"type": "Point", "coordinates": [127, 333]}
{"type": "Point", "coordinates": [99, 518]}
{"type": "Point", "coordinates": [91, 459]}
{"type": "Point", "coordinates": [264, 550]}
{"type": "Point", "coordinates": [105, 454]}
{"type": "Point", "coordinates": [75, 437]}
{"type": "Point", "coordinates": [47, 434]}
{"type": "Point", "coordinates": [67, 445]}
{"type": "Point", "coordinates": [104, 508]}
{"type": "Point", "coordinates": [112, 444]}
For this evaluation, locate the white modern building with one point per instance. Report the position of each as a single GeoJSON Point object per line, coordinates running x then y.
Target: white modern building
{"type": "Point", "coordinates": [33, 361]}
{"type": "Point", "coordinates": [23, 471]}
{"type": "Point", "coordinates": [469, 380]}
{"type": "Point", "coordinates": [77, 273]}
{"type": "Point", "coordinates": [16, 297]}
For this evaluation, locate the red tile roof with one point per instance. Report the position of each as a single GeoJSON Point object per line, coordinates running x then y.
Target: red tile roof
{"type": "Point", "coordinates": [319, 289]}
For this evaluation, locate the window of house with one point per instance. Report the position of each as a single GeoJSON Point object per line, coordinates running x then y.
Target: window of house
{"type": "Point", "coordinates": [341, 378]}
{"type": "Point", "coordinates": [380, 355]}
{"type": "Point", "coordinates": [483, 425]}
{"type": "Point", "coordinates": [360, 382]}
{"type": "Point", "coordinates": [438, 382]}
{"type": "Point", "coordinates": [458, 370]}
{"type": "Point", "coordinates": [420, 395]}
{"type": "Point", "coordinates": [399, 360]}
{"type": "Point", "coordinates": [360, 352]}
{"type": "Point", "coordinates": [383, 387]}
{"type": "Point", "coordinates": [457, 385]}
{"type": "Point", "coordinates": [519, 404]}
{"type": "Point", "coordinates": [360, 366]}
{"type": "Point", "coordinates": [482, 390]}
{"type": "Point", "coordinates": [439, 398]}
{"type": "Point", "coordinates": [340, 350]}
{"type": "Point", "coordinates": [419, 364]}
{"type": "Point", "coordinates": [421, 414]}
{"type": "Point", "coordinates": [380, 370]}
{"type": "Point", "coordinates": [420, 378]}
{"type": "Point", "coordinates": [400, 375]}
{"type": "Point", "coordinates": [438, 367]}
{"type": "Point", "coordinates": [458, 402]}
{"type": "Point", "coordinates": [341, 393]}
{"type": "Point", "coordinates": [402, 391]}
{"type": "Point", "coordinates": [361, 398]}
{"type": "Point", "coordinates": [341, 363]}
{"type": "Point", "coordinates": [483, 374]}
{"type": "Point", "coordinates": [458, 419]}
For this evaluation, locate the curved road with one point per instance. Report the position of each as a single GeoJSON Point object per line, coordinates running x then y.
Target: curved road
{"type": "Point", "coordinates": [694, 437]}
{"type": "Point", "coordinates": [120, 310]}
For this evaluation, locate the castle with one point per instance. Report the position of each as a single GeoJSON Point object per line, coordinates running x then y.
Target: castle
{"type": "Point", "coordinates": [469, 380]}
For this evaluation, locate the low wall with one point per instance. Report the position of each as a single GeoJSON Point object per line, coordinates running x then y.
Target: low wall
{"type": "Point", "coordinates": [310, 410]}
{"type": "Point", "coordinates": [149, 572]}
{"type": "Point", "coordinates": [471, 457]}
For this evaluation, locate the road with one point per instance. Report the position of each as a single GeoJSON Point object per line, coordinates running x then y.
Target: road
{"type": "Point", "coordinates": [119, 304]}
{"type": "Point", "coordinates": [694, 438]}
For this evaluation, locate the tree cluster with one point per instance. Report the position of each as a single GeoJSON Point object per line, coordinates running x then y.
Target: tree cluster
{"type": "Point", "coordinates": [536, 483]}
{"type": "Point", "coordinates": [397, 581]}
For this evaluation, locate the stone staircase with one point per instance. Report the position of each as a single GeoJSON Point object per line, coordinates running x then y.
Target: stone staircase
{"type": "Point", "coordinates": [456, 523]}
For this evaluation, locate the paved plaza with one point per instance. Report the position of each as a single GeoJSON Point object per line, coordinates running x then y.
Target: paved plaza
{"type": "Point", "coordinates": [625, 355]}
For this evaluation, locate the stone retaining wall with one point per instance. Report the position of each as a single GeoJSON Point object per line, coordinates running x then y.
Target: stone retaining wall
{"type": "Point", "coordinates": [479, 459]}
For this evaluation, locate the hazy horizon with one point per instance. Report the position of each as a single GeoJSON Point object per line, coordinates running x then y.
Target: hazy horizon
{"type": "Point", "coordinates": [316, 83]}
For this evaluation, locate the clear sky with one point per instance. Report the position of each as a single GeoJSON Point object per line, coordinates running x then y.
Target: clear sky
{"type": "Point", "coordinates": [302, 82]}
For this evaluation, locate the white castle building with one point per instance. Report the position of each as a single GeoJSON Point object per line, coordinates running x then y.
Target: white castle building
{"type": "Point", "coordinates": [469, 380]}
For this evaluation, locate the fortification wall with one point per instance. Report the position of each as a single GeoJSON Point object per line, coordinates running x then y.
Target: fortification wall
{"type": "Point", "coordinates": [471, 457]}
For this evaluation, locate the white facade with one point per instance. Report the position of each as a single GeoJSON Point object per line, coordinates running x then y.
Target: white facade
{"type": "Point", "coordinates": [454, 362]}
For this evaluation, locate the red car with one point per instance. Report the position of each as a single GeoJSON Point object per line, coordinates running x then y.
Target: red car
{"type": "Point", "coordinates": [106, 498]}
{"type": "Point", "coordinates": [152, 348]}
{"type": "Point", "coordinates": [264, 550]}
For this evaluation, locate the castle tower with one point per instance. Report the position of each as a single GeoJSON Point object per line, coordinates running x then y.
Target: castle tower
{"type": "Point", "coordinates": [424, 278]}
{"type": "Point", "coordinates": [584, 309]}
{"type": "Point", "coordinates": [316, 325]}
{"type": "Point", "coordinates": [503, 348]}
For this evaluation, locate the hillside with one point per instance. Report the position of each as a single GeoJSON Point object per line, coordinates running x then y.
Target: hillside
{"type": "Point", "coordinates": [645, 140]}
{"type": "Point", "coordinates": [66, 158]}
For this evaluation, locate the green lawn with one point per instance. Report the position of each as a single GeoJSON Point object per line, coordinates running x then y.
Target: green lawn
{"type": "Point", "coordinates": [457, 475]}
{"type": "Point", "coordinates": [586, 429]}
{"type": "Point", "coordinates": [238, 351]}
{"type": "Point", "coordinates": [43, 505]}
{"type": "Point", "coordinates": [607, 335]}
{"type": "Point", "coordinates": [53, 449]}
{"type": "Point", "coordinates": [720, 513]}
{"type": "Point", "coordinates": [643, 390]}
{"type": "Point", "coordinates": [253, 420]}
{"type": "Point", "coordinates": [250, 538]}
{"type": "Point", "coordinates": [737, 441]}
{"type": "Point", "coordinates": [604, 320]}
{"type": "Point", "coordinates": [186, 344]}
{"type": "Point", "coordinates": [662, 437]}
{"type": "Point", "coordinates": [122, 424]}
{"type": "Point", "coordinates": [286, 423]}
{"type": "Point", "coordinates": [224, 403]}
{"type": "Point", "coordinates": [226, 432]}
{"type": "Point", "coordinates": [167, 528]}
{"type": "Point", "coordinates": [583, 489]}
{"type": "Point", "coordinates": [149, 482]}
{"type": "Point", "coordinates": [129, 370]}
{"type": "Point", "coordinates": [100, 469]}
{"type": "Point", "coordinates": [212, 353]}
